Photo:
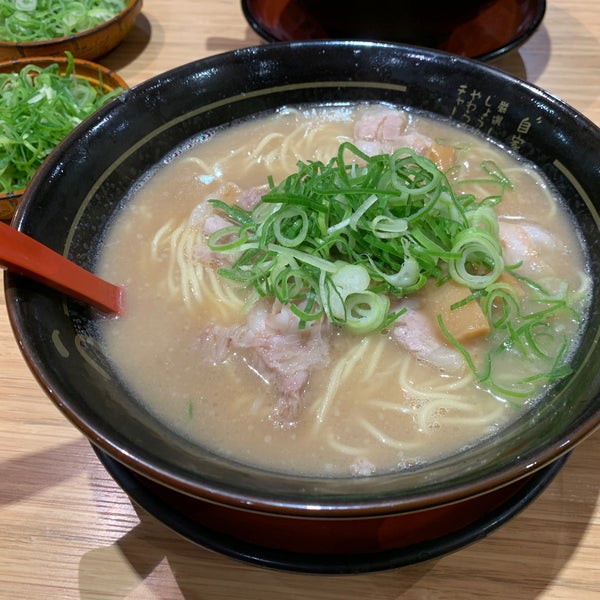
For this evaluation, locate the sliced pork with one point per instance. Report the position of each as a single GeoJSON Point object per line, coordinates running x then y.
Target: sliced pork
{"type": "Point", "coordinates": [382, 130]}
{"type": "Point", "coordinates": [416, 333]}
{"type": "Point", "coordinates": [273, 346]}
{"type": "Point", "coordinates": [529, 245]}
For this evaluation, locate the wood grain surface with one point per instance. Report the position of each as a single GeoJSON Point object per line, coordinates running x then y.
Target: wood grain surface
{"type": "Point", "coordinates": [68, 531]}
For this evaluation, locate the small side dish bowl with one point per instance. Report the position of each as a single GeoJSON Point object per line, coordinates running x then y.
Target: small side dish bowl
{"type": "Point", "coordinates": [80, 188]}
{"type": "Point", "coordinates": [87, 44]}
{"type": "Point", "coordinates": [97, 75]}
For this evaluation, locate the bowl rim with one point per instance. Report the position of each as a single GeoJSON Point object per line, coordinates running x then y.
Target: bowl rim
{"type": "Point", "coordinates": [262, 502]}
{"type": "Point", "coordinates": [47, 60]}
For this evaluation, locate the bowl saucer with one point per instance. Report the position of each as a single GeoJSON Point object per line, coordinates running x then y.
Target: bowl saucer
{"type": "Point", "coordinates": [502, 26]}
{"type": "Point", "coordinates": [256, 538]}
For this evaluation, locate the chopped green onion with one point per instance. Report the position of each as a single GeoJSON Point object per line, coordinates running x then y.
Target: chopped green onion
{"type": "Point", "coordinates": [228, 238]}
{"type": "Point", "coordinates": [500, 297]}
{"type": "Point", "coordinates": [39, 107]}
{"type": "Point", "coordinates": [391, 221]}
{"type": "Point", "coordinates": [365, 311]}
{"type": "Point", "coordinates": [342, 238]}
{"type": "Point", "coordinates": [32, 20]}
{"type": "Point", "coordinates": [495, 176]}
{"type": "Point", "coordinates": [530, 338]}
{"type": "Point", "coordinates": [479, 261]}
{"type": "Point", "coordinates": [460, 347]}
{"type": "Point", "coordinates": [348, 280]}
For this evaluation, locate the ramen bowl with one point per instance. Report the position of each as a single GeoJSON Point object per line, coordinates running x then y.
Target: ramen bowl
{"type": "Point", "coordinates": [88, 44]}
{"type": "Point", "coordinates": [82, 186]}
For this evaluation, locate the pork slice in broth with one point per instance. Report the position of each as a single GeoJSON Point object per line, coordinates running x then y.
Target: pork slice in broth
{"type": "Point", "coordinates": [273, 347]}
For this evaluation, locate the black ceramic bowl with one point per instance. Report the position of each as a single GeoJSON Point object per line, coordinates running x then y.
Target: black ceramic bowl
{"type": "Point", "coordinates": [76, 192]}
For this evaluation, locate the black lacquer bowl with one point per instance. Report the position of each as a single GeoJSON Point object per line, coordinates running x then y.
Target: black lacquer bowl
{"type": "Point", "coordinates": [482, 29]}
{"type": "Point", "coordinates": [80, 187]}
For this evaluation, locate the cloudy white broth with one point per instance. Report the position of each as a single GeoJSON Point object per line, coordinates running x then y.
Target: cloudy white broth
{"type": "Point", "coordinates": [343, 290]}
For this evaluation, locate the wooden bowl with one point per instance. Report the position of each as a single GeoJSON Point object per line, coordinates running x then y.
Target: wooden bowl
{"type": "Point", "coordinates": [84, 69]}
{"type": "Point", "coordinates": [88, 44]}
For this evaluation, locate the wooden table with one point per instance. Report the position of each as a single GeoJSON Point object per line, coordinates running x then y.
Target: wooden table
{"type": "Point", "coordinates": [68, 531]}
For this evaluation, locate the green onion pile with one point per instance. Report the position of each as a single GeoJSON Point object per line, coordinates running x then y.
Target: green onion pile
{"type": "Point", "coordinates": [39, 107]}
{"type": "Point", "coordinates": [33, 20]}
{"type": "Point", "coordinates": [339, 239]}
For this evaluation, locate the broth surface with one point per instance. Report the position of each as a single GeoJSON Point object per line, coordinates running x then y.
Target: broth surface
{"type": "Point", "coordinates": [369, 404]}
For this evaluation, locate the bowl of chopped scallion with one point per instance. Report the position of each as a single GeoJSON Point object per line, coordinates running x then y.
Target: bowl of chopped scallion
{"type": "Point", "coordinates": [41, 100]}
{"type": "Point", "coordinates": [87, 28]}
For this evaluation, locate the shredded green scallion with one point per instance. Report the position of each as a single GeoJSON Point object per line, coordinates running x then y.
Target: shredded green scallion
{"type": "Point", "coordinates": [392, 217]}
{"type": "Point", "coordinates": [528, 337]}
{"type": "Point", "coordinates": [341, 239]}
{"type": "Point", "coordinates": [34, 20]}
{"type": "Point", "coordinates": [39, 107]}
